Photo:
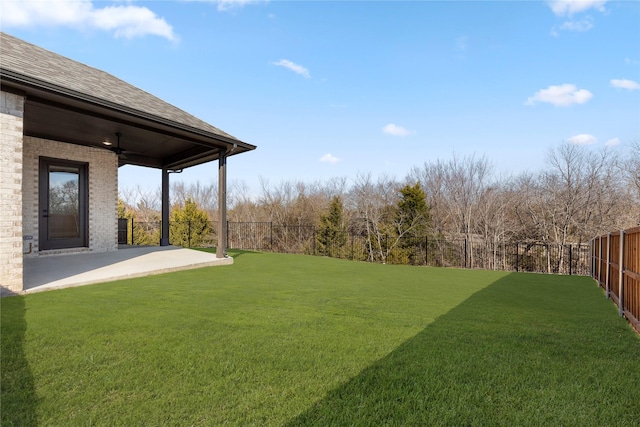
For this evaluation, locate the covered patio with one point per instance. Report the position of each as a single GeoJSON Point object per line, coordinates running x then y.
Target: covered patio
{"type": "Point", "coordinates": [65, 121]}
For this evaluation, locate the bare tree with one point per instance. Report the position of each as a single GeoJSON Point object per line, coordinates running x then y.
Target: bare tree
{"type": "Point", "coordinates": [372, 205]}
{"type": "Point", "coordinates": [630, 168]}
{"type": "Point", "coordinates": [454, 190]}
{"type": "Point", "coordinates": [577, 182]}
{"type": "Point", "coordinates": [205, 196]}
{"type": "Point", "coordinates": [145, 202]}
{"type": "Point", "coordinates": [243, 205]}
{"type": "Point", "coordinates": [432, 178]}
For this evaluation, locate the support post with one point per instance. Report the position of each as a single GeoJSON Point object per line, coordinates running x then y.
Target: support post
{"type": "Point", "coordinates": [164, 227]}
{"type": "Point", "coordinates": [221, 249]}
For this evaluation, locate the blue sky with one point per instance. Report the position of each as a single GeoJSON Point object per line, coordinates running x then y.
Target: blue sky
{"type": "Point", "coordinates": [336, 88]}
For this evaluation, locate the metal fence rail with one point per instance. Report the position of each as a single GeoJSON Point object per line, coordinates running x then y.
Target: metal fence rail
{"type": "Point", "coordinates": [427, 251]}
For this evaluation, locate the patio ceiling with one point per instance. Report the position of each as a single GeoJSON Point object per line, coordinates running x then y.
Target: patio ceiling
{"type": "Point", "coordinates": [71, 102]}
{"type": "Point", "coordinates": [145, 142]}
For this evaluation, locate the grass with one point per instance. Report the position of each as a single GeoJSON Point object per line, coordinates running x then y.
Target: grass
{"type": "Point", "coordinates": [297, 340]}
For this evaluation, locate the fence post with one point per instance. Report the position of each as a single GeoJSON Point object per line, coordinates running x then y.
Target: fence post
{"type": "Point", "coordinates": [549, 259]}
{"type": "Point", "coordinates": [352, 249]}
{"type": "Point", "coordinates": [426, 250]}
{"type": "Point", "coordinates": [132, 226]}
{"type": "Point", "coordinates": [465, 252]}
{"type": "Point", "coordinates": [620, 276]}
{"type": "Point", "coordinates": [570, 257]}
{"type": "Point", "coordinates": [517, 256]}
{"type": "Point", "coordinates": [591, 253]}
{"type": "Point", "coordinates": [599, 260]}
{"type": "Point", "coordinates": [607, 281]}
{"type": "Point", "coordinates": [386, 248]}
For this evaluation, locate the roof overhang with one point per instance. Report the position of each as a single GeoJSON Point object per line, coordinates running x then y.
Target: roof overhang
{"type": "Point", "coordinates": [57, 113]}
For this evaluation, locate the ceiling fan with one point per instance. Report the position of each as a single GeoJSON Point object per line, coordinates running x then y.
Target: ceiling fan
{"type": "Point", "coordinates": [127, 156]}
{"type": "Point", "coordinates": [117, 149]}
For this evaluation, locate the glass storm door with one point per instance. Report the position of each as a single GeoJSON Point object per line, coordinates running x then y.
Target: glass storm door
{"type": "Point", "coordinates": [63, 204]}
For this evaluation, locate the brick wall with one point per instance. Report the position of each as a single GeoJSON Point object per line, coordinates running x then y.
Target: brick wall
{"type": "Point", "coordinates": [11, 129]}
{"type": "Point", "coordinates": [103, 192]}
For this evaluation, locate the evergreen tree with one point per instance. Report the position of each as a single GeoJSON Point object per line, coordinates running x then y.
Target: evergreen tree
{"type": "Point", "coordinates": [412, 218]}
{"type": "Point", "coordinates": [123, 210]}
{"type": "Point", "coordinates": [412, 215]}
{"type": "Point", "coordinates": [189, 225]}
{"type": "Point", "coordinates": [332, 236]}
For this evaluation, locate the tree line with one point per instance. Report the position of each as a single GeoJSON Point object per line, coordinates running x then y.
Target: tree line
{"type": "Point", "coordinates": [579, 193]}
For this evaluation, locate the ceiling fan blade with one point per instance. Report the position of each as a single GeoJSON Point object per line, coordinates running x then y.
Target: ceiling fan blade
{"type": "Point", "coordinates": [140, 159]}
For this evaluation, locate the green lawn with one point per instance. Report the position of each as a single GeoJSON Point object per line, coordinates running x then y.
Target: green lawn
{"type": "Point", "coordinates": [294, 340]}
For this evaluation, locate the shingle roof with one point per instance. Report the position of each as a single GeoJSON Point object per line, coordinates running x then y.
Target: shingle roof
{"type": "Point", "coordinates": [65, 75]}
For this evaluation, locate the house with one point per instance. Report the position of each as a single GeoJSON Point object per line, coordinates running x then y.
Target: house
{"type": "Point", "coordinates": [65, 128]}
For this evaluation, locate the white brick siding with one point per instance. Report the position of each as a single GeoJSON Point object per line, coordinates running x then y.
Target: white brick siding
{"type": "Point", "coordinates": [19, 169]}
{"type": "Point", "coordinates": [103, 192]}
{"type": "Point", "coordinates": [11, 119]}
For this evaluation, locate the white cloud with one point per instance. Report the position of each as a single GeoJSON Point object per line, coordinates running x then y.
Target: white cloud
{"type": "Point", "coordinates": [612, 142]}
{"type": "Point", "coordinates": [224, 5]}
{"type": "Point", "coordinates": [562, 95]}
{"type": "Point", "coordinates": [579, 26]}
{"type": "Point", "coordinates": [131, 21]}
{"type": "Point", "coordinates": [570, 7]}
{"type": "Point", "coordinates": [395, 130]}
{"type": "Point", "coordinates": [625, 84]}
{"type": "Point", "coordinates": [329, 158]}
{"type": "Point", "coordinates": [583, 139]}
{"type": "Point", "coordinates": [126, 21]}
{"type": "Point", "coordinates": [298, 69]}
{"type": "Point", "coordinates": [628, 60]}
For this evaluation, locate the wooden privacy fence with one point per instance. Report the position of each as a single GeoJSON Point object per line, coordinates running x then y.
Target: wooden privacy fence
{"type": "Point", "coordinates": [615, 265]}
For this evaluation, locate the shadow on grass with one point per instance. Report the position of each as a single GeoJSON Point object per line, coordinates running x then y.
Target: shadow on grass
{"type": "Point", "coordinates": [17, 397]}
{"type": "Point", "coordinates": [527, 350]}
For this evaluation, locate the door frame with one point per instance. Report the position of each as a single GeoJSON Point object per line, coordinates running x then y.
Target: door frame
{"type": "Point", "coordinates": [45, 243]}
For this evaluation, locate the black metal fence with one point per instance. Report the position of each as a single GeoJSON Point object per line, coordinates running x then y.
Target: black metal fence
{"type": "Point", "coordinates": [426, 251]}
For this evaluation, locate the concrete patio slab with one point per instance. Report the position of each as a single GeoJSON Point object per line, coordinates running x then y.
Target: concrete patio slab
{"type": "Point", "coordinates": [62, 271]}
